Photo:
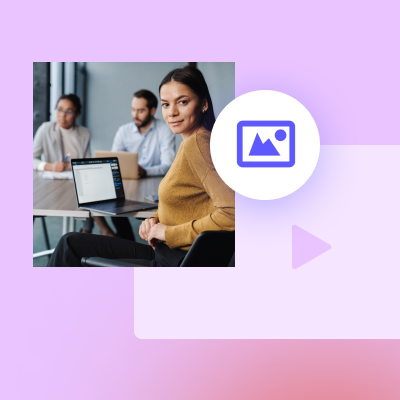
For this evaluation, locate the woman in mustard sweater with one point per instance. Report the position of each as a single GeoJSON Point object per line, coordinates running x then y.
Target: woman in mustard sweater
{"type": "Point", "coordinates": [193, 198]}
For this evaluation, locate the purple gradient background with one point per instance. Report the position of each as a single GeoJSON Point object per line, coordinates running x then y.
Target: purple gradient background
{"type": "Point", "coordinates": [69, 334]}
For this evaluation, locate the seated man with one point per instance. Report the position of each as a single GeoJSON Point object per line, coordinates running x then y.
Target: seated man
{"type": "Point", "coordinates": [151, 139]}
{"type": "Point", "coordinates": [148, 136]}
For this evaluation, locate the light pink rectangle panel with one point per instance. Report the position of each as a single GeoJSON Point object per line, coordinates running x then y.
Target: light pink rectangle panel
{"type": "Point", "coordinates": [352, 291]}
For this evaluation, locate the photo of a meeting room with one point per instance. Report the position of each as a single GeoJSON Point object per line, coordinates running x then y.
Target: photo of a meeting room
{"type": "Point", "coordinates": [122, 170]}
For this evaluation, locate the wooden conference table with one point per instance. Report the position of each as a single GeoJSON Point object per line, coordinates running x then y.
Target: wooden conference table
{"type": "Point", "coordinates": [57, 198]}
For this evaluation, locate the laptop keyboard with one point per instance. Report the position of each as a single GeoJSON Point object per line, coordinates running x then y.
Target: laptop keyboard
{"type": "Point", "coordinates": [113, 204]}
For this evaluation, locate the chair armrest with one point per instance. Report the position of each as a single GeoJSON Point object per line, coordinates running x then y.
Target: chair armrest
{"type": "Point", "coordinates": [105, 262]}
{"type": "Point", "coordinates": [211, 249]}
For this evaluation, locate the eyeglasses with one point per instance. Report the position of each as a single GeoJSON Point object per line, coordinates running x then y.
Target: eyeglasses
{"type": "Point", "coordinates": [68, 112]}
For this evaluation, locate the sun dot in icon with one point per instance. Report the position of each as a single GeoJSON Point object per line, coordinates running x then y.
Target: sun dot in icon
{"type": "Point", "coordinates": [280, 135]}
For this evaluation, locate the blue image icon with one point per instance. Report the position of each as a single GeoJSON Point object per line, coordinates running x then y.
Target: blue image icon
{"type": "Point", "coordinates": [283, 137]}
{"type": "Point", "coordinates": [263, 149]}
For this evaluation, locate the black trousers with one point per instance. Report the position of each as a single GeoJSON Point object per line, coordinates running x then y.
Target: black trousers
{"type": "Point", "coordinates": [121, 224]}
{"type": "Point", "coordinates": [123, 227]}
{"type": "Point", "coordinates": [73, 246]}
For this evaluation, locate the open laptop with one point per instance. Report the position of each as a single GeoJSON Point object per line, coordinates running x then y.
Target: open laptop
{"type": "Point", "coordinates": [98, 187]}
{"type": "Point", "coordinates": [128, 162]}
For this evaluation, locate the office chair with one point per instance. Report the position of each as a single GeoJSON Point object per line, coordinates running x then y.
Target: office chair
{"type": "Point", "coordinates": [210, 249]}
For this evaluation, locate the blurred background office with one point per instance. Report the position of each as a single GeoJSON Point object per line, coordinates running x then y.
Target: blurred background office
{"type": "Point", "coordinates": [106, 91]}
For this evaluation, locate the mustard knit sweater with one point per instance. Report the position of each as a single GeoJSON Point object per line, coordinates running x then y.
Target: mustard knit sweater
{"type": "Point", "coordinates": [193, 198]}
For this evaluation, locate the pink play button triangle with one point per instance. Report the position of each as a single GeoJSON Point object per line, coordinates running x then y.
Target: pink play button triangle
{"type": "Point", "coordinates": [305, 247]}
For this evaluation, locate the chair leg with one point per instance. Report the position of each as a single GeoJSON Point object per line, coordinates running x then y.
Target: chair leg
{"type": "Point", "coordinates": [46, 237]}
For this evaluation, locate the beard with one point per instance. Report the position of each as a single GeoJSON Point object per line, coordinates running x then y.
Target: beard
{"type": "Point", "coordinates": [145, 121]}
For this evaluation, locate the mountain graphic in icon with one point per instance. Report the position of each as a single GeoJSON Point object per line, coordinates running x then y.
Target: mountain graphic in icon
{"type": "Point", "coordinates": [263, 149]}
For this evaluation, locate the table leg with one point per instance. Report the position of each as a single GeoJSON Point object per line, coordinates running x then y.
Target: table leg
{"type": "Point", "coordinates": [68, 225]}
{"type": "Point", "coordinates": [65, 225]}
{"type": "Point", "coordinates": [71, 224]}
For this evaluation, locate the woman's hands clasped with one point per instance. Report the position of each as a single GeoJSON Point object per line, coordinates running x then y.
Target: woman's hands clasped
{"type": "Point", "coordinates": [152, 231]}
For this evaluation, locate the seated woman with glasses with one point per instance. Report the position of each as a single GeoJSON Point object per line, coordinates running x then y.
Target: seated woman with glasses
{"type": "Point", "coordinates": [193, 198]}
{"type": "Point", "coordinates": [55, 143]}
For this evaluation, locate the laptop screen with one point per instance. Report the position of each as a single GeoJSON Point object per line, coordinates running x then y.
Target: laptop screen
{"type": "Point", "coordinates": [97, 179]}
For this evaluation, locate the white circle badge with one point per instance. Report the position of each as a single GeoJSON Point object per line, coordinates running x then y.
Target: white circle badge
{"type": "Point", "coordinates": [265, 145]}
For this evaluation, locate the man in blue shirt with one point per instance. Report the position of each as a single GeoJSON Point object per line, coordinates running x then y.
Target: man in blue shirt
{"type": "Point", "coordinates": [148, 136]}
{"type": "Point", "coordinates": [152, 140]}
